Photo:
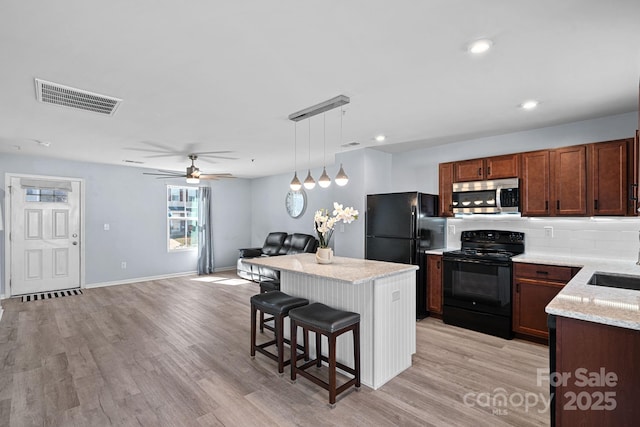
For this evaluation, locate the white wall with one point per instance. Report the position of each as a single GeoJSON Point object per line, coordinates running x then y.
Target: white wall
{"type": "Point", "coordinates": [134, 206]}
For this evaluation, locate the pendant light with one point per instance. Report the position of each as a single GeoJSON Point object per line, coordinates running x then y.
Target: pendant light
{"type": "Point", "coordinates": [341, 178]}
{"type": "Point", "coordinates": [324, 180]}
{"type": "Point", "coordinates": [309, 182]}
{"type": "Point", "coordinates": [295, 185]}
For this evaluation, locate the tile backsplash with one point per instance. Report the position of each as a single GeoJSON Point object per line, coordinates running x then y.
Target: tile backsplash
{"type": "Point", "coordinates": [601, 237]}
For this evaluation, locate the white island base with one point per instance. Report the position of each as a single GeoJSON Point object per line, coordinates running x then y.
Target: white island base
{"type": "Point", "coordinates": [383, 293]}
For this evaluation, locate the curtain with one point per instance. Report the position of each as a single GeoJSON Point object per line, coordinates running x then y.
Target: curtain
{"type": "Point", "coordinates": [206, 263]}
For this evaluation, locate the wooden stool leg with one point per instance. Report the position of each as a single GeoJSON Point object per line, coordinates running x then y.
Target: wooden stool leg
{"type": "Point", "coordinates": [305, 341]}
{"type": "Point", "coordinates": [356, 353]}
{"type": "Point", "coordinates": [318, 349]}
{"type": "Point", "coordinates": [332, 368]}
{"type": "Point", "coordinates": [253, 331]}
{"type": "Point", "coordinates": [293, 340]}
{"type": "Point", "coordinates": [279, 331]}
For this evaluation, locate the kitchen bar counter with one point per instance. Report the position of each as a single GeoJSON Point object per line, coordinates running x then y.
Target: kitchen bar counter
{"type": "Point", "coordinates": [599, 304]}
{"type": "Point", "coordinates": [383, 293]}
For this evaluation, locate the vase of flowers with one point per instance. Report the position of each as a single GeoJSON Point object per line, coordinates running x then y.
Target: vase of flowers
{"type": "Point", "coordinates": [325, 225]}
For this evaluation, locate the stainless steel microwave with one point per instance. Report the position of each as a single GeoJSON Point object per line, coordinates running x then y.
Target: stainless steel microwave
{"type": "Point", "coordinates": [494, 196]}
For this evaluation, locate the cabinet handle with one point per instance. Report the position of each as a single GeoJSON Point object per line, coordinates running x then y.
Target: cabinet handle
{"type": "Point", "coordinates": [479, 171]}
{"type": "Point", "coordinates": [488, 170]}
{"type": "Point", "coordinates": [542, 272]}
{"type": "Point", "coordinates": [595, 204]}
{"type": "Point", "coordinates": [438, 265]}
{"type": "Point", "coordinates": [546, 205]}
{"type": "Point", "coordinates": [558, 204]}
{"type": "Point", "coordinates": [517, 288]}
{"type": "Point", "coordinates": [631, 196]}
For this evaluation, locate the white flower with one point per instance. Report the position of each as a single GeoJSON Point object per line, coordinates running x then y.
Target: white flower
{"type": "Point", "coordinates": [325, 224]}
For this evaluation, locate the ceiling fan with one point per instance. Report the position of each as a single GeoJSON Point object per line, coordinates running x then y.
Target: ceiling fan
{"type": "Point", "coordinates": [193, 174]}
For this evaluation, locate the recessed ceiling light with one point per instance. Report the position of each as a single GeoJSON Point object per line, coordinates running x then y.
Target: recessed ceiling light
{"type": "Point", "coordinates": [380, 138]}
{"type": "Point", "coordinates": [529, 105]}
{"type": "Point", "coordinates": [480, 46]}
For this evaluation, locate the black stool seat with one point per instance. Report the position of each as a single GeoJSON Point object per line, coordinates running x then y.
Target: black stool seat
{"type": "Point", "coordinates": [330, 322]}
{"type": "Point", "coordinates": [324, 317]}
{"type": "Point", "coordinates": [277, 302]}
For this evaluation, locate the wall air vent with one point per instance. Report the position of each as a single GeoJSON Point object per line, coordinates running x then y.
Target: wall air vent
{"type": "Point", "coordinates": [54, 93]}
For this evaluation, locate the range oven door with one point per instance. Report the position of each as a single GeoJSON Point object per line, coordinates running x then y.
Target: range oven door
{"type": "Point", "coordinates": [477, 285]}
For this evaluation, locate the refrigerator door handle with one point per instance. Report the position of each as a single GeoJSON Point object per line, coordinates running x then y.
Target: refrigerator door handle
{"type": "Point", "coordinates": [414, 219]}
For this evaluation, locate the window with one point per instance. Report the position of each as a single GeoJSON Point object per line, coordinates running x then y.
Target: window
{"type": "Point", "coordinates": [182, 218]}
{"type": "Point", "coordinates": [46, 195]}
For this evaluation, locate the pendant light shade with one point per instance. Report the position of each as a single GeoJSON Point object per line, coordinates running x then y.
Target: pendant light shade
{"type": "Point", "coordinates": [309, 182]}
{"type": "Point", "coordinates": [324, 180]}
{"type": "Point", "coordinates": [295, 185]}
{"type": "Point", "coordinates": [342, 179]}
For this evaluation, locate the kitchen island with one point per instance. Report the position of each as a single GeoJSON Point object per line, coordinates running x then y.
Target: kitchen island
{"type": "Point", "coordinates": [383, 293]}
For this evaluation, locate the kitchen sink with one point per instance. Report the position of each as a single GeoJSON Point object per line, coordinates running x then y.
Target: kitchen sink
{"type": "Point", "coordinates": [615, 281]}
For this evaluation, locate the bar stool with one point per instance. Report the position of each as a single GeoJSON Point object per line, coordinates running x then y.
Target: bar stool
{"type": "Point", "coordinates": [327, 321]}
{"type": "Point", "coordinates": [278, 305]}
{"type": "Point", "coordinates": [267, 286]}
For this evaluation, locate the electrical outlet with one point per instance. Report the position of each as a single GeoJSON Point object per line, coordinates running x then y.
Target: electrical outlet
{"type": "Point", "coordinates": [106, 227]}
{"type": "Point", "coordinates": [548, 232]}
{"type": "Point", "coordinates": [123, 265]}
{"type": "Point", "coordinates": [452, 229]}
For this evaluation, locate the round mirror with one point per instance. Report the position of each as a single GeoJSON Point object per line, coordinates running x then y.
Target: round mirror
{"type": "Point", "coordinates": [295, 202]}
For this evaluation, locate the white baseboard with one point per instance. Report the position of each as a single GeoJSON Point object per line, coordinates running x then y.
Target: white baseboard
{"type": "Point", "coordinates": [146, 279]}
{"type": "Point", "coordinates": [137, 279]}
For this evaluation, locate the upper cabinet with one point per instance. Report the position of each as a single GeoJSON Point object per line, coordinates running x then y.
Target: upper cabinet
{"type": "Point", "coordinates": [609, 174]}
{"type": "Point", "coordinates": [488, 168]}
{"type": "Point", "coordinates": [535, 189]}
{"type": "Point", "coordinates": [446, 189]}
{"type": "Point", "coordinates": [569, 181]}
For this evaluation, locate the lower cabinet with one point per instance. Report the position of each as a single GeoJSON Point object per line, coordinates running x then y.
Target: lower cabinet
{"type": "Point", "coordinates": [534, 286]}
{"type": "Point", "coordinates": [434, 284]}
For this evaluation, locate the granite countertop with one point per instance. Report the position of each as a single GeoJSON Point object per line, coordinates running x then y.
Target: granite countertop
{"type": "Point", "coordinates": [599, 304]}
{"type": "Point", "coordinates": [352, 270]}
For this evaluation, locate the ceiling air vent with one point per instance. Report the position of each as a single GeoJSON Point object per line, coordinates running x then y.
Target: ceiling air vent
{"type": "Point", "coordinates": [54, 93]}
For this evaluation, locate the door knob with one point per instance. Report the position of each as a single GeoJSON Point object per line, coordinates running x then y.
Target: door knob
{"type": "Point", "coordinates": [75, 243]}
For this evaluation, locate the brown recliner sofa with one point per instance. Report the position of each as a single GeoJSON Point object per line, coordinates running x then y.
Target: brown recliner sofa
{"type": "Point", "coordinates": [276, 243]}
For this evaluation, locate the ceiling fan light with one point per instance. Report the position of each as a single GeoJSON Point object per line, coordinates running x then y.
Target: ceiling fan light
{"type": "Point", "coordinates": [295, 185]}
{"type": "Point", "coordinates": [341, 178]}
{"type": "Point", "coordinates": [324, 180]}
{"type": "Point", "coordinates": [309, 182]}
{"type": "Point", "coordinates": [192, 180]}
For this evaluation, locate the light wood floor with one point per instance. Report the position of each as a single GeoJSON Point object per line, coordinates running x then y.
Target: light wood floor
{"type": "Point", "coordinates": [175, 352]}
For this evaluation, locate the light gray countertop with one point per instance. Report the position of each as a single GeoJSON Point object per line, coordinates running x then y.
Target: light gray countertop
{"type": "Point", "coordinates": [599, 304]}
{"type": "Point", "coordinates": [352, 270]}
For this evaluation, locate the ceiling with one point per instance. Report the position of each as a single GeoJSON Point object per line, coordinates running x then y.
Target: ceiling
{"type": "Point", "coordinates": [204, 76]}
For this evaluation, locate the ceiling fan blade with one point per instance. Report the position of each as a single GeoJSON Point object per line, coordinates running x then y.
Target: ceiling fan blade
{"type": "Point", "coordinates": [213, 176]}
{"type": "Point", "coordinates": [168, 175]}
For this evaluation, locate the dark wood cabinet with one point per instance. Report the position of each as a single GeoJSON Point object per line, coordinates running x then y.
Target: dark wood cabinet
{"type": "Point", "coordinates": [497, 167]}
{"type": "Point", "coordinates": [445, 182]}
{"type": "Point", "coordinates": [434, 284]}
{"type": "Point", "coordinates": [608, 168]}
{"type": "Point", "coordinates": [597, 374]}
{"type": "Point", "coordinates": [534, 183]}
{"type": "Point", "coordinates": [534, 286]}
{"type": "Point", "coordinates": [569, 181]}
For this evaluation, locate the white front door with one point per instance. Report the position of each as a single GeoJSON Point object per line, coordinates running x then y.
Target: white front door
{"type": "Point", "coordinates": [45, 235]}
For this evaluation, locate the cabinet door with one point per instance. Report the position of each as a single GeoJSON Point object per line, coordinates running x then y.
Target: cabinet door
{"type": "Point", "coordinates": [632, 175]}
{"type": "Point", "coordinates": [434, 284]}
{"type": "Point", "coordinates": [502, 166]}
{"type": "Point", "coordinates": [530, 297]}
{"type": "Point", "coordinates": [469, 170]}
{"type": "Point", "coordinates": [569, 178]}
{"type": "Point", "coordinates": [609, 176]}
{"type": "Point", "coordinates": [445, 177]}
{"type": "Point", "coordinates": [534, 185]}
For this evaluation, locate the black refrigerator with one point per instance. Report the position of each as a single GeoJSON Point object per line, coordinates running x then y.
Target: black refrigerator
{"type": "Point", "coordinates": [399, 228]}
